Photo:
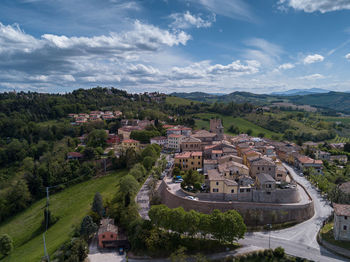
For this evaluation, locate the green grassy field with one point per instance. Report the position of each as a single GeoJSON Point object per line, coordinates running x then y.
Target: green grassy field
{"type": "Point", "coordinates": [241, 123]}
{"type": "Point", "coordinates": [178, 101]}
{"type": "Point", "coordinates": [70, 205]}
{"type": "Point", "coordinates": [327, 234]}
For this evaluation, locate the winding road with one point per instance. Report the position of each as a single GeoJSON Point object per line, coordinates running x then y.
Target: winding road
{"type": "Point", "coordinates": [299, 240]}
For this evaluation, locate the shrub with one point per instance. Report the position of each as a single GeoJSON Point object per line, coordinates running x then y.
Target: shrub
{"type": "Point", "coordinates": [279, 252]}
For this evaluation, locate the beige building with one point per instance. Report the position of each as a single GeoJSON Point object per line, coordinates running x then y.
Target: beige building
{"type": "Point", "coordinates": [265, 182]}
{"type": "Point", "coordinates": [130, 143]}
{"type": "Point", "coordinates": [220, 184]}
{"type": "Point", "coordinates": [341, 228]}
{"type": "Point", "coordinates": [233, 170]}
{"type": "Point", "coordinates": [281, 172]}
{"type": "Point", "coordinates": [189, 160]}
{"type": "Point", "coordinates": [189, 144]}
{"type": "Point", "coordinates": [262, 166]}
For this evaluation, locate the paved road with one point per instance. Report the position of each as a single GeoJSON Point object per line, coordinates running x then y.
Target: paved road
{"type": "Point", "coordinates": [299, 240]}
{"type": "Point", "coordinates": [142, 199]}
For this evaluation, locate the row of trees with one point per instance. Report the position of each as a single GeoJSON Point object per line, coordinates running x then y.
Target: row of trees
{"type": "Point", "coordinates": [228, 226]}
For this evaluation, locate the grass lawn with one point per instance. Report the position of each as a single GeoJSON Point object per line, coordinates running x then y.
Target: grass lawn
{"type": "Point", "coordinates": [70, 205]}
{"type": "Point", "coordinates": [241, 123]}
{"type": "Point", "coordinates": [327, 234]}
{"type": "Point", "coordinates": [178, 101]}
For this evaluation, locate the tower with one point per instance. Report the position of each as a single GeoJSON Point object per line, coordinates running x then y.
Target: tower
{"type": "Point", "coordinates": [217, 128]}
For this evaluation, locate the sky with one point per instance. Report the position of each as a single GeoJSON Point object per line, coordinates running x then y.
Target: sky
{"type": "Point", "coordinates": [213, 46]}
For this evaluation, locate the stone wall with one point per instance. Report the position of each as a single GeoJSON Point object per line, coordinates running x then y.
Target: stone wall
{"type": "Point", "coordinates": [282, 196]}
{"type": "Point", "coordinates": [254, 214]}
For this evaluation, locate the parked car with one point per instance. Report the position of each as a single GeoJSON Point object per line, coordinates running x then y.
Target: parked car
{"type": "Point", "coordinates": [178, 180]}
{"type": "Point", "coordinates": [192, 198]}
{"type": "Point", "coordinates": [121, 251]}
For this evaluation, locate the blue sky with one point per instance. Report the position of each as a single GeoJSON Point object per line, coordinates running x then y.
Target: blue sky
{"type": "Point", "coordinates": [216, 46]}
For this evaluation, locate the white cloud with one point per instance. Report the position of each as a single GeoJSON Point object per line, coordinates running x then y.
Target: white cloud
{"type": "Point", "coordinates": [141, 69]}
{"type": "Point", "coordinates": [236, 9]}
{"type": "Point", "coordinates": [236, 67]}
{"type": "Point", "coordinates": [264, 51]}
{"type": "Point", "coordinates": [187, 20]}
{"type": "Point", "coordinates": [205, 70]}
{"type": "Point", "coordinates": [310, 6]}
{"type": "Point", "coordinates": [310, 59]}
{"type": "Point", "coordinates": [286, 66]}
{"type": "Point", "coordinates": [312, 77]}
{"type": "Point", "coordinates": [347, 56]}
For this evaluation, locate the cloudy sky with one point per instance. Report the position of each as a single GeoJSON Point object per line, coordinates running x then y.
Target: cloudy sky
{"type": "Point", "coordinates": [216, 46]}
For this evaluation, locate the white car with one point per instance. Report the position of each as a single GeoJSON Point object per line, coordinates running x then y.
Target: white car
{"type": "Point", "coordinates": [191, 198]}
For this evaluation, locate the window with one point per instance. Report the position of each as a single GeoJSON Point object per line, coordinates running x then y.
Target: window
{"type": "Point", "coordinates": [103, 236]}
{"type": "Point", "coordinates": [263, 168]}
{"type": "Point", "coordinates": [269, 168]}
{"type": "Point", "coordinates": [111, 236]}
{"type": "Point", "coordinates": [345, 227]}
{"type": "Point", "coordinates": [241, 190]}
{"type": "Point", "coordinates": [268, 186]}
{"type": "Point", "coordinates": [248, 190]}
{"type": "Point", "coordinates": [269, 193]}
{"type": "Point", "coordinates": [345, 217]}
{"type": "Point", "coordinates": [232, 191]}
{"type": "Point", "coordinates": [215, 190]}
{"type": "Point", "coordinates": [217, 183]}
{"type": "Point", "coordinates": [199, 163]}
{"type": "Point", "coordinates": [258, 167]}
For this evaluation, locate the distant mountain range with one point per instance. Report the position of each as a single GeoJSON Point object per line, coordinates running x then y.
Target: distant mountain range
{"type": "Point", "coordinates": [301, 92]}
{"type": "Point", "coordinates": [321, 98]}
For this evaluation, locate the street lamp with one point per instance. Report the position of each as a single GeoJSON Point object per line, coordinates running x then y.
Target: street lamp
{"type": "Point", "coordinates": [269, 227]}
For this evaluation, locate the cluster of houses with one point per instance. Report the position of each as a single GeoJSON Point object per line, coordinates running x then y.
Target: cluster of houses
{"type": "Point", "coordinates": [81, 118]}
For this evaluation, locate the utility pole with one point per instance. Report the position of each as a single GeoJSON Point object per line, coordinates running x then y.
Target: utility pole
{"type": "Point", "coordinates": [47, 223]}
{"type": "Point", "coordinates": [269, 227]}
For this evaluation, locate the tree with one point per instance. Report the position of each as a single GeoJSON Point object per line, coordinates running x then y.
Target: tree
{"type": "Point", "coordinates": [249, 132]}
{"type": "Point", "coordinates": [347, 147]}
{"type": "Point", "coordinates": [149, 151]}
{"type": "Point", "coordinates": [18, 197]}
{"type": "Point", "coordinates": [228, 226]}
{"type": "Point", "coordinates": [49, 219]}
{"type": "Point", "coordinates": [192, 219]}
{"type": "Point", "coordinates": [179, 255]}
{"type": "Point", "coordinates": [97, 138]}
{"type": "Point", "coordinates": [191, 178]}
{"type": "Point", "coordinates": [89, 153]}
{"type": "Point", "coordinates": [261, 135]}
{"type": "Point", "coordinates": [87, 227]}
{"type": "Point", "coordinates": [128, 187]}
{"type": "Point", "coordinates": [97, 204]}
{"type": "Point", "coordinates": [148, 162]}
{"type": "Point", "coordinates": [6, 244]}
{"type": "Point", "coordinates": [77, 251]}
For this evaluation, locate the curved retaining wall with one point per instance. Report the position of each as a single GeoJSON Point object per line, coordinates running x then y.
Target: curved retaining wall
{"type": "Point", "coordinates": [254, 214]}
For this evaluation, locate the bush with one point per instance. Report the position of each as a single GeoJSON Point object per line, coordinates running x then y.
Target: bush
{"type": "Point", "coordinates": [279, 252]}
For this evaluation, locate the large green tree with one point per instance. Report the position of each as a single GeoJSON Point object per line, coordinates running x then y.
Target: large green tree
{"type": "Point", "coordinates": [6, 244]}
{"type": "Point", "coordinates": [87, 227]}
{"type": "Point", "coordinates": [97, 204]}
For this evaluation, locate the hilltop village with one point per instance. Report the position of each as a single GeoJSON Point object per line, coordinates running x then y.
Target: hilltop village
{"type": "Point", "coordinates": [240, 168]}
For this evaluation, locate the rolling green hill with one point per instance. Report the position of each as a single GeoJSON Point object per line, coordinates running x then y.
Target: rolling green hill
{"type": "Point", "coordinates": [337, 101]}
{"type": "Point", "coordinates": [70, 205]}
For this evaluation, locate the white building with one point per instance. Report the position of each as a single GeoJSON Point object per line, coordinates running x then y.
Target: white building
{"type": "Point", "coordinates": [174, 141]}
{"type": "Point", "coordinates": [159, 140]}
